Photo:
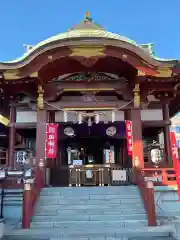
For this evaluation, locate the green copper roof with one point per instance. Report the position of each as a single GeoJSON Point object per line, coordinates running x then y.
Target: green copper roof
{"type": "Point", "coordinates": [149, 49]}
{"type": "Point", "coordinates": [87, 28]}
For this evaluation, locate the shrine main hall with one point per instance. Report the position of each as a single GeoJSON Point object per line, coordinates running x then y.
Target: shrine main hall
{"type": "Point", "coordinates": [107, 100]}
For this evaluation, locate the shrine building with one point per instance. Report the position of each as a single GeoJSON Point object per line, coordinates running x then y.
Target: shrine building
{"type": "Point", "coordinates": [85, 103]}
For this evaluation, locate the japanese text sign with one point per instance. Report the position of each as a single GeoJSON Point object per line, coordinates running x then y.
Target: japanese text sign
{"type": "Point", "coordinates": [51, 140]}
{"type": "Point", "coordinates": [129, 137]}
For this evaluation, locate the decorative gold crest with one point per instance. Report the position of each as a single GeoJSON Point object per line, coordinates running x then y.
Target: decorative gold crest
{"type": "Point", "coordinates": [87, 51]}
{"type": "Point", "coordinates": [40, 99]}
{"type": "Point", "coordinates": [136, 91]}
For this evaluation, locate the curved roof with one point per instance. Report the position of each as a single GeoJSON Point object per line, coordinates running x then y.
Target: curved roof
{"type": "Point", "coordinates": [87, 29]}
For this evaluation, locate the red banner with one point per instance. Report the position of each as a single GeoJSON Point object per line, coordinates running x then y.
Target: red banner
{"type": "Point", "coordinates": [175, 159]}
{"type": "Point", "coordinates": [51, 140]}
{"type": "Point", "coordinates": [129, 137]}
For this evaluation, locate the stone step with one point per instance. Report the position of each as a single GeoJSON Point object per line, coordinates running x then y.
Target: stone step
{"type": "Point", "coordinates": [92, 189]}
{"type": "Point", "coordinates": [91, 209]}
{"type": "Point", "coordinates": [91, 196]}
{"type": "Point", "coordinates": [46, 233]}
{"type": "Point", "coordinates": [107, 203]}
{"type": "Point", "coordinates": [87, 238]}
{"type": "Point", "coordinates": [109, 206]}
{"type": "Point", "coordinates": [54, 201]}
{"type": "Point", "coordinates": [57, 212]}
{"type": "Point", "coordinates": [84, 226]}
{"type": "Point", "coordinates": [85, 217]}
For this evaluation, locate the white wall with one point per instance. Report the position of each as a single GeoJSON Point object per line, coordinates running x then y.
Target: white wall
{"type": "Point", "coordinates": [146, 115]}
{"type": "Point", "coordinates": [105, 117]}
{"type": "Point", "coordinates": [26, 117]}
{"type": "Point", "coordinates": [151, 115]}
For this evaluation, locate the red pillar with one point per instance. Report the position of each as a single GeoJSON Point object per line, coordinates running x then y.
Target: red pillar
{"type": "Point", "coordinates": [27, 203]}
{"type": "Point", "coordinates": [138, 154]}
{"type": "Point", "coordinates": [40, 142]}
{"type": "Point", "coordinates": [12, 133]}
{"type": "Point", "coordinates": [167, 141]}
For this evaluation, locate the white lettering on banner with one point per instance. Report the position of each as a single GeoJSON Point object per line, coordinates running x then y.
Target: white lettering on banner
{"type": "Point", "coordinates": [51, 137]}
{"type": "Point", "coordinates": [175, 151]}
{"type": "Point", "coordinates": [51, 143]}
{"type": "Point", "coordinates": [51, 151]}
{"type": "Point", "coordinates": [130, 148]}
{"type": "Point", "coordinates": [51, 130]}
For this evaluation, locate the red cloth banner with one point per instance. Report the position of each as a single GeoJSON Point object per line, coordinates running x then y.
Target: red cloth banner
{"type": "Point", "coordinates": [129, 137]}
{"type": "Point", "coordinates": [51, 140]}
{"type": "Point", "coordinates": [175, 159]}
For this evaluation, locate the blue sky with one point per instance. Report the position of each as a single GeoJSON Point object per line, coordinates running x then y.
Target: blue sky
{"type": "Point", "coordinates": [29, 22]}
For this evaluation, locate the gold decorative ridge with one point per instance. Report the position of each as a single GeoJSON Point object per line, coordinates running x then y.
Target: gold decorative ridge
{"type": "Point", "coordinates": [87, 108]}
{"type": "Point", "coordinates": [4, 120]}
{"type": "Point", "coordinates": [87, 51]}
{"type": "Point", "coordinates": [87, 89]}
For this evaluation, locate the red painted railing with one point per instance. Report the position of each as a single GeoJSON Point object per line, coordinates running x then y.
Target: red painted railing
{"type": "Point", "coordinates": [147, 194]}
{"type": "Point", "coordinates": [31, 194]}
{"type": "Point", "coordinates": [160, 176]}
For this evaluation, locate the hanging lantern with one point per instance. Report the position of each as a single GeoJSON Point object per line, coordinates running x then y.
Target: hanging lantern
{"type": "Point", "coordinates": [97, 118]}
{"type": "Point", "coordinates": [89, 122]}
{"type": "Point", "coordinates": [113, 116]}
{"type": "Point", "coordinates": [65, 117]}
{"type": "Point", "coordinates": [79, 118]}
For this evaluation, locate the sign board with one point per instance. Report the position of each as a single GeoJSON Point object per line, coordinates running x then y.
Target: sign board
{"type": "Point", "coordinates": [119, 175]}
{"type": "Point", "coordinates": [129, 137]}
{"type": "Point", "coordinates": [51, 140]}
{"type": "Point", "coordinates": [77, 162]}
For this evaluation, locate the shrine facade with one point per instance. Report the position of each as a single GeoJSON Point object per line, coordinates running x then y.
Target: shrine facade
{"type": "Point", "coordinates": [88, 99]}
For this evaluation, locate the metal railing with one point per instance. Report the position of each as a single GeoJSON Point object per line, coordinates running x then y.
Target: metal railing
{"type": "Point", "coordinates": [100, 176]}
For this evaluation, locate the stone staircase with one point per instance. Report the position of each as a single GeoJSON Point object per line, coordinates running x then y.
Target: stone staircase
{"type": "Point", "coordinates": [90, 213]}
{"type": "Point", "coordinates": [13, 199]}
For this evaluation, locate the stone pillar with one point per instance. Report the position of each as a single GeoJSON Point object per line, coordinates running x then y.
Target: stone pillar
{"type": "Point", "coordinates": [167, 141]}
{"type": "Point", "coordinates": [138, 154]}
{"type": "Point", "coordinates": [12, 133]}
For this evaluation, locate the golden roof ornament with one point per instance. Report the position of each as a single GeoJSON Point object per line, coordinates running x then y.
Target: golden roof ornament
{"type": "Point", "coordinates": [136, 91]}
{"type": "Point", "coordinates": [87, 15]}
{"type": "Point", "coordinates": [40, 99]}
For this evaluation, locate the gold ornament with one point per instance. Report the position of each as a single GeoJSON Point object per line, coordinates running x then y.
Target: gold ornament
{"type": "Point", "coordinates": [136, 91]}
{"type": "Point", "coordinates": [40, 99]}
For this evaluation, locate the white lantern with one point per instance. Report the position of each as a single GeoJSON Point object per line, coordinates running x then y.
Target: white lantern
{"type": "Point", "coordinates": [79, 118]}
{"type": "Point", "coordinates": [89, 122]}
{"type": "Point", "coordinates": [97, 118]}
{"type": "Point", "coordinates": [113, 116]}
{"type": "Point", "coordinates": [65, 116]}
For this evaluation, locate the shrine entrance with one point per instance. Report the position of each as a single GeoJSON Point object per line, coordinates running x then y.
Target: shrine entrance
{"type": "Point", "coordinates": [87, 156]}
